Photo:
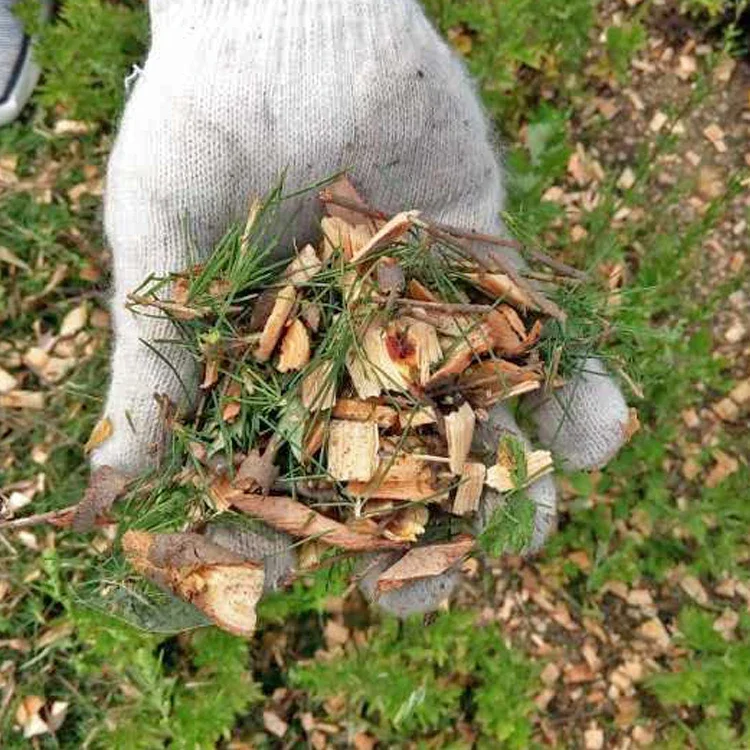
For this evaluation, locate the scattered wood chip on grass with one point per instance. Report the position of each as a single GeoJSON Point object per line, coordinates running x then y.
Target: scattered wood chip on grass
{"type": "Point", "coordinates": [339, 401]}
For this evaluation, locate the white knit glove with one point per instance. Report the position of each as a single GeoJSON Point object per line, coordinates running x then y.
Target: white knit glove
{"type": "Point", "coordinates": [235, 92]}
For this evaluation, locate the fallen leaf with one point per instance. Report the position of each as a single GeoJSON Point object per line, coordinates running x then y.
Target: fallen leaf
{"type": "Point", "coordinates": [102, 431]}
{"type": "Point", "coordinates": [424, 562]}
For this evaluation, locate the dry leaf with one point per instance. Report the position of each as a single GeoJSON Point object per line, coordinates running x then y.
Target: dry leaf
{"type": "Point", "coordinates": [297, 519]}
{"type": "Point", "coordinates": [424, 562]}
{"type": "Point", "coordinates": [102, 431]}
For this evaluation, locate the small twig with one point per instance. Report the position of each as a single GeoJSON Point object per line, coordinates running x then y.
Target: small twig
{"type": "Point", "coordinates": [449, 307]}
{"type": "Point", "coordinates": [62, 518]}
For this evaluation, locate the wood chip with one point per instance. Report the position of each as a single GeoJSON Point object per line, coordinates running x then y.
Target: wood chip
{"type": "Point", "coordinates": [404, 477]}
{"type": "Point", "coordinates": [74, 321]}
{"type": "Point", "coordinates": [352, 450]}
{"type": "Point", "coordinates": [390, 233]}
{"type": "Point", "coordinates": [408, 524]}
{"type": "Point", "coordinates": [459, 431]}
{"type": "Point", "coordinates": [418, 291]}
{"type": "Point", "coordinates": [318, 390]}
{"type": "Point", "coordinates": [295, 348]}
{"type": "Point", "coordinates": [424, 562]}
{"type": "Point", "coordinates": [221, 583]}
{"type": "Point", "coordinates": [428, 349]}
{"type": "Point", "coordinates": [340, 235]}
{"type": "Point", "coordinates": [7, 381]}
{"type": "Point", "coordinates": [31, 400]}
{"type": "Point", "coordinates": [469, 491]}
{"type": "Point", "coordinates": [274, 326]}
{"type": "Point", "coordinates": [303, 269]}
{"type": "Point", "coordinates": [357, 410]}
{"type": "Point", "coordinates": [538, 464]}
{"type": "Point", "coordinates": [275, 724]}
{"type": "Point", "coordinates": [501, 287]}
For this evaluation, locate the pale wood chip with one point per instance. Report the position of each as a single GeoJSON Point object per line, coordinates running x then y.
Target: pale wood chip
{"type": "Point", "coordinates": [18, 399]}
{"type": "Point", "coordinates": [404, 477]}
{"type": "Point", "coordinates": [318, 391]}
{"type": "Point", "coordinates": [295, 348]}
{"type": "Point", "coordinates": [7, 381]}
{"type": "Point", "coordinates": [358, 410]}
{"type": "Point", "coordinates": [274, 326]}
{"type": "Point", "coordinates": [538, 464]}
{"type": "Point", "coordinates": [338, 234]}
{"type": "Point", "coordinates": [353, 450]}
{"type": "Point", "coordinates": [303, 269]}
{"type": "Point", "coordinates": [459, 431]}
{"type": "Point", "coordinates": [469, 491]}
{"type": "Point", "coordinates": [390, 233]}
{"type": "Point", "coordinates": [408, 524]}
{"type": "Point", "coordinates": [500, 286]}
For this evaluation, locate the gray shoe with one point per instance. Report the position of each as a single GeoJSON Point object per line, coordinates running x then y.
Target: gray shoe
{"type": "Point", "coordinates": [18, 72]}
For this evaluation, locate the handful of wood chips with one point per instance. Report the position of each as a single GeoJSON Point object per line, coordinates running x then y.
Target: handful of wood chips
{"type": "Point", "coordinates": [341, 394]}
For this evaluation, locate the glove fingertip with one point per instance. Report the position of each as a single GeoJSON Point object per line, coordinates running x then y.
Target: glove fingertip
{"type": "Point", "coordinates": [418, 597]}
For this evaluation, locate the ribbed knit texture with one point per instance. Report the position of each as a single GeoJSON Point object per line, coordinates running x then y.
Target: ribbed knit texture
{"type": "Point", "coordinates": [235, 92]}
{"type": "Point", "coordinates": [11, 44]}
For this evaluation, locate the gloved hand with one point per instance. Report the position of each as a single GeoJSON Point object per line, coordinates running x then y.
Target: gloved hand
{"type": "Point", "coordinates": [235, 92]}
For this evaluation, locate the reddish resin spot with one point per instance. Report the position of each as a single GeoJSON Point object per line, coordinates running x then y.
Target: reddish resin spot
{"type": "Point", "coordinates": [400, 347]}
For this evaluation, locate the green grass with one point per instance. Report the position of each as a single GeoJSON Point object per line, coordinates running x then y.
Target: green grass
{"type": "Point", "coordinates": [409, 684]}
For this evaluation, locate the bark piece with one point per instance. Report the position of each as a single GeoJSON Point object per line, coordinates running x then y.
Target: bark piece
{"type": "Point", "coordinates": [352, 450]}
{"type": "Point", "coordinates": [286, 514]}
{"type": "Point", "coordinates": [343, 189]}
{"type": "Point", "coordinates": [356, 410]}
{"type": "Point", "coordinates": [222, 584]}
{"type": "Point", "coordinates": [318, 390]}
{"type": "Point", "coordinates": [274, 326]}
{"type": "Point", "coordinates": [104, 488]}
{"type": "Point", "coordinates": [469, 491]}
{"type": "Point", "coordinates": [424, 562]}
{"type": "Point", "coordinates": [295, 347]}
{"type": "Point", "coordinates": [390, 276]}
{"type": "Point", "coordinates": [459, 431]}
{"type": "Point", "coordinates": [392, 231]}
